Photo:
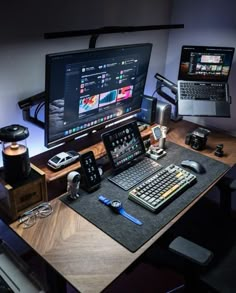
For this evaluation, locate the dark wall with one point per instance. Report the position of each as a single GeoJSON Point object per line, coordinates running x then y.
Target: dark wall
{"type": "Point", "coordinates": [206, 22]}
{"type": "Point", "coordinates": [23, 47]}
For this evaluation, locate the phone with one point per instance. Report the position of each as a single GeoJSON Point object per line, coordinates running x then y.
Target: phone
{"type": "Point", "coordinates": [157, 133]}
{"type": "Point", "coordinates": [90, 176]}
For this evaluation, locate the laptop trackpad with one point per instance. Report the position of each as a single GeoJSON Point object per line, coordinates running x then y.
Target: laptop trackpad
{"type": "Point", "coordinates": [204, 108]}
{"type": "Point", "coordinates": [185, 107]}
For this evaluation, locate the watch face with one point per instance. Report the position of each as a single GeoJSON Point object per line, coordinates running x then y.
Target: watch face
{"type": "Point", "coordinates": [116, 205]}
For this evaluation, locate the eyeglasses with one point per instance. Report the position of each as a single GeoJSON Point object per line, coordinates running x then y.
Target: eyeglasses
{"type": "Point", "coordinates": [28, 219]}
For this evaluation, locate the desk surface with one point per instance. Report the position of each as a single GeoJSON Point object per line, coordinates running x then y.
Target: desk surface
{"type": "Point", "coordinates": [84, 255]}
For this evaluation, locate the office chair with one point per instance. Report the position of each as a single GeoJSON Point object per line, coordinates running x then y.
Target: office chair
{"type": "Point", "coordinates": [208, 261]}
{"type": "Point", "coordinates": [211, 270]}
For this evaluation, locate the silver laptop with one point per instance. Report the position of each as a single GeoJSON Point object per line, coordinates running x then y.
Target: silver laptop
{"type": "Point", "coordinates": [203, 81]}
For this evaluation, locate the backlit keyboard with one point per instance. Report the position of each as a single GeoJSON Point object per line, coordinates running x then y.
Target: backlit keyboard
{"type": "Point", "coordinates": [135, 174]}
{"type": "Point", "coordinates": [198, 91]}
{"type": "Point", "coordinates": [162, 187]}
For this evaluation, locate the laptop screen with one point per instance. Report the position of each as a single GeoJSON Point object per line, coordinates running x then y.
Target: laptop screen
{"type": "Point", "coordinates": [201, 63]}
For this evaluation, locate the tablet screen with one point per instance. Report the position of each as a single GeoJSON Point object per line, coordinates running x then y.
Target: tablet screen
{"type": "Point", "coordinates": [123, 144]}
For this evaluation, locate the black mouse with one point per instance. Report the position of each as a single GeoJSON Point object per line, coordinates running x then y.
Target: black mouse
{"type": "Point", "coordinates": [194, 166]}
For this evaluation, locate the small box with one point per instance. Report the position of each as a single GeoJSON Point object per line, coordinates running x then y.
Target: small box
{"type": "Point", "coordinates": [19, 197]}
{"type": "Point", "coordinates": [148, 110]}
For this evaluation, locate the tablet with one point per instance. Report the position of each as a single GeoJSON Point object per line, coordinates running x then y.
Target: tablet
{"type": "Point", "coordinates": [123, 144]}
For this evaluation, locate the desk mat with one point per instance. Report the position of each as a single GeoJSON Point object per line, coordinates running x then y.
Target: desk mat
{"type": "Point", "coordinates": [126, 232]}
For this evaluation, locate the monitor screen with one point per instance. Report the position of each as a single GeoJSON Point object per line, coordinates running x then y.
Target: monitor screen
{"type": "Point", "coordinates": [123, 144]}
{"type": "Point", "coordinates": [88, 89]}
{"type": "Point", "coordinates": [205, 63]}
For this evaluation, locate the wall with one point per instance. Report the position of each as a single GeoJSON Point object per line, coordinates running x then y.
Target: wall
{"type": "Point", "coordinates": [205, 22]}
{"type": "Point", "coordinates": [23, 47]}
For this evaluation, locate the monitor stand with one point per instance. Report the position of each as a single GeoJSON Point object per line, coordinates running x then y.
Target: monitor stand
{"type": "Point", "coordinates": [26, 105]}
{"type": "Point", "coordinates": [163, 82]}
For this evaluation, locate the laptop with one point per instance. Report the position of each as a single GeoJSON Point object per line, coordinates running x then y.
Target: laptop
{"type": "Point", "coordinates": [203, 81]}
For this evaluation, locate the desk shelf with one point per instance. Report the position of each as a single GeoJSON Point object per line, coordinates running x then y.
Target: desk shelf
{"type": "Point", "coordinates": [56, 178]}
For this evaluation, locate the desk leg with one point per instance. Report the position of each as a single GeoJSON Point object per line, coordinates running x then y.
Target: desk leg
{"type": "Point", "coordinates": [226, 186]}
{"type": "Point", "coordinates": [56, 283]}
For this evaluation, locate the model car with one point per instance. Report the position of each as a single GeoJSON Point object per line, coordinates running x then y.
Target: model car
{"type": "Point", "coordinates": [63, 159]}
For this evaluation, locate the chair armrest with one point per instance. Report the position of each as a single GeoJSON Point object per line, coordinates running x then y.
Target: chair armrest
{"type": "Point", "coordinates": [191, 251]}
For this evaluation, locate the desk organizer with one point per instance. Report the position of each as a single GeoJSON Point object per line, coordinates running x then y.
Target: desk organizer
{"type": "Point", "coordinates": [16, 198]}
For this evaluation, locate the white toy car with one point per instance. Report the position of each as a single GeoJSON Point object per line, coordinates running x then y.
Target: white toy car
{"type": "Point", "coordinates": [63, 159]}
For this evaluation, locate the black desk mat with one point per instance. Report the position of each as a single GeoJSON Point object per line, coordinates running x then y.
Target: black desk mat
{"type": "Point", "coordinates": [126, 232]}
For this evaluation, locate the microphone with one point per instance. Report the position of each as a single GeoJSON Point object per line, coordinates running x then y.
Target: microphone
{"type": "Point", "coordinates": [73, 183]}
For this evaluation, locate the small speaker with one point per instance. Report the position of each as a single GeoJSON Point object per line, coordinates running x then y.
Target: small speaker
{"type": "Point", "coordinates": [163, 113]}
{"type": "Point", "coordinates": [148, 110]}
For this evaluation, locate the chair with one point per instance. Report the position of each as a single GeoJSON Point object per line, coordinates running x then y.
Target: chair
{"type": "Point", "coordinates": [205, 254]}
{"type": "Point", "coordinates": [214, 271]}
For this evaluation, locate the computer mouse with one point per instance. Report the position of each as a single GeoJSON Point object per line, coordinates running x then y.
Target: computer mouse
{"type": "Point", "coordinates": [194, 166]}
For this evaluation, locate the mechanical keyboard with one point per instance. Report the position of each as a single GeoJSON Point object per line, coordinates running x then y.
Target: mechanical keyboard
{"type": "Point", "coordinates": [162, 187]}
{"type": "Point", "coordinates": [135, 174]}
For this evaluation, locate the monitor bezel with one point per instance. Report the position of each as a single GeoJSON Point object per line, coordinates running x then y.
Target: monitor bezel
{"type": "Point", "coordinates": [56, 142]}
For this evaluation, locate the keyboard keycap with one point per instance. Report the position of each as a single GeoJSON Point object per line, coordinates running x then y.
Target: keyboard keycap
{"type": "Point", "coordinates": [164, 186]}
{"type": "Point", "coordinates": [135, 174]}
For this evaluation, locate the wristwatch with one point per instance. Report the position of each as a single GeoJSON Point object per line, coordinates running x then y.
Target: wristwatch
{"type": "Point", "coordinates": [117, 207]}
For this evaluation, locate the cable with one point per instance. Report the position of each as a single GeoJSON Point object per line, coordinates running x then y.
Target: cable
{"type": "Point", "coordinates": [38, 108]}
{"type": "Point", "coordinates": [157, 88]}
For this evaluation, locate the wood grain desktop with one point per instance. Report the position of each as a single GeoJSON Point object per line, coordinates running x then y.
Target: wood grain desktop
{"type": "Point", "coordinates": [85, 256]}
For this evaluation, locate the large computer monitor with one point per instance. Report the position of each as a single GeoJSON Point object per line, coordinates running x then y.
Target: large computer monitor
{"type": "Point", "coordinates": [89, 89]}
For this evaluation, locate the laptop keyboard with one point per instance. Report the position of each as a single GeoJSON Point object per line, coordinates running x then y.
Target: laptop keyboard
{"type": "Point", "coordinates": [197, 91]}
{"type": "Point", "coordinates": [135, 174]}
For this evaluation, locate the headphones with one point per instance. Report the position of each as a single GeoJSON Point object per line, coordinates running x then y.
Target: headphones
{"type": "Point", "coordinates": [73, 183]}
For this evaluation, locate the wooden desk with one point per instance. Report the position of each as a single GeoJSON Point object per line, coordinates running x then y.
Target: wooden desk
{"type": "Point", "coordinates": [85, 256]}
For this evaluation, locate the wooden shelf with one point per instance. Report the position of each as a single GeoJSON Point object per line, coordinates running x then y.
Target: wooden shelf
{"type": "Point", "coordinates": [56, 180]}
{"type": "Point", "coordinates": [98, 149]}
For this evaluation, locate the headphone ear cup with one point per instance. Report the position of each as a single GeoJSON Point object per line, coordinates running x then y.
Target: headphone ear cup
{"type": "Point", "coordinates": [73, 183]}
{"type": "Point", "coordinates": [73, 176]}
